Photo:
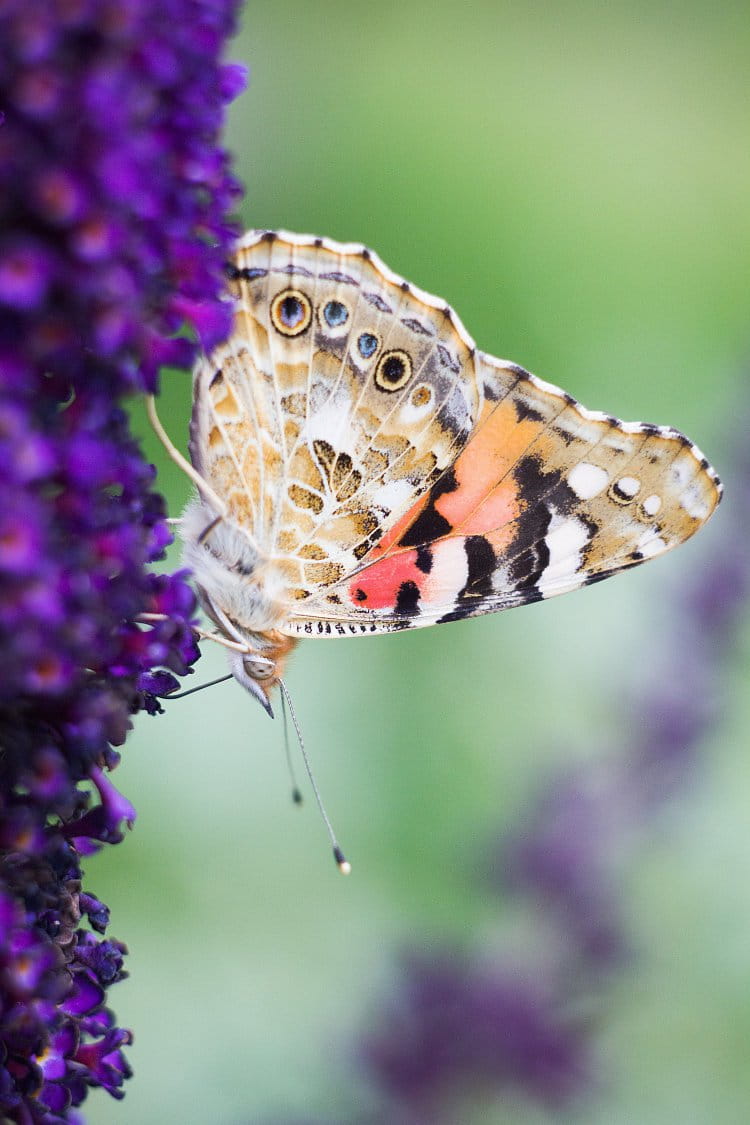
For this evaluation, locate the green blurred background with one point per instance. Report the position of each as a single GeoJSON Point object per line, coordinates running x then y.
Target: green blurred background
{"type": "Point", "coordinates": [574, 179]}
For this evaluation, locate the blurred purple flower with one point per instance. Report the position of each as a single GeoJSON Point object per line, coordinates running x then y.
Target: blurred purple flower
{"type": "Point", "coordinates": [114, 201]}
{"type": "Point", "coordinates": [474, 1023]}
{"type": "Point", "coordinates": [460, 1028]}
{"type": "Point", "coordinates": [568, 853]}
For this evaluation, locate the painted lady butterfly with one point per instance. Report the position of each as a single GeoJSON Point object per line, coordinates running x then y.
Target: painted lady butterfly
{"type": "Point", "coordinates": [363, 468]}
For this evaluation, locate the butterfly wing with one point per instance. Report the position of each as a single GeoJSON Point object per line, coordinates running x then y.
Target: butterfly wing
{"type": "Point", "coordinates": [382, 474]}
{"type": "Point", "coordinates": [546, 496]}
{"type": "Point", "coordinates": [341, 397]}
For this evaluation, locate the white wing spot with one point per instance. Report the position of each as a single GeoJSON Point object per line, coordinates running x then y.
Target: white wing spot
{"type": "Point", "coordinates": [450, 571]}
{"type": "Point", "coordinates": [628, 486]}
{"type": "Point", "coordinates": [694, 502]}
{"type": "Point", "coordinates": [650, 544]}
{"type": "Point", "coordinates": [566, 539]}
{"type": "Point", "coordinates": [652, 505]}
{"type": "Point", "coordinates": [587, 480]}
{"type": "Point", "coordinates": [393, 496]}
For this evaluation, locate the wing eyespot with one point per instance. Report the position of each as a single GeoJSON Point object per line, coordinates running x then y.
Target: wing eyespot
{"type": "Point", "coordinates": [367, 345]}
{"type": "Point", "coordinates": [421, 395]}
{"type": "Point", "coordinates": [651, 506]}
{"type": "Point", "coordinates": [291, 312]}
{"type": "Point", "coordinates": [333, 316]}
{"type": "Point", "coordinates": [393, 371]}
{"type": "Point", "coordinates": [624, 490]}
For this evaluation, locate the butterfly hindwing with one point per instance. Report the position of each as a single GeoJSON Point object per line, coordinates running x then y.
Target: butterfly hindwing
{"type": "Point", "coordinates": [341, 396]}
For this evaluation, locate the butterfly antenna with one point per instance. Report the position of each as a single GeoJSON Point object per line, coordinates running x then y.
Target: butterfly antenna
{"type": "Point", "coordinates": [341, 861]}
{"type": "Point", "coordinates": [200, 687]}
{"type": "Point", "coordinates": [204, 488]}
{"type": "Point", "coordinates": [296, 794]}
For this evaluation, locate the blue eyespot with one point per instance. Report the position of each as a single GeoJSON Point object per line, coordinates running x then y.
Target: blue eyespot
{"type": "Point", "coordinates": [291, 312]}
{"type": "Point", "coordinates": [336, 314]}
{"type": "Point", "coordinates": [367, 343]}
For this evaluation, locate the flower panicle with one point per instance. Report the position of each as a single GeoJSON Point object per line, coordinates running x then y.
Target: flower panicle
{"type": "Point", "coordinates": [115, 198]}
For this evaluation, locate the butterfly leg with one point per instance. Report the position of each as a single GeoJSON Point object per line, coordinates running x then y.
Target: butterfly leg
{"type": "Point", "coordinates": [209, 528]}
{"type": "Point", "coordinates": [203, 486]}
{"type": "Point", "coordinates": [235, 646]}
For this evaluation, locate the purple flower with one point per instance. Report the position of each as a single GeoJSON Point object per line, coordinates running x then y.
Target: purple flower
{"type": "Point", "coordinates": [114, 201]}
{"type": "Point", "coordinates": [474, 1022]}
{"type": "Point", "coordinates": [458, 1027]}
{"type": "Point", "coordinates": [562, 859]}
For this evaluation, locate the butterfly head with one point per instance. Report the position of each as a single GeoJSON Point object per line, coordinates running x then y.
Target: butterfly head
{"type": "Point", "coordinates": [257, 674]}
{"type": "Point", "coordinates": [260, 666]}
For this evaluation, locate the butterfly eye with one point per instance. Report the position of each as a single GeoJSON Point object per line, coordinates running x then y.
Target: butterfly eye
{"type": "Point", "coordinates": [367, 345]}
{"type": "Point", "coordinates": [393, 371]}
{"type": "Point", "coordinates": [291, 312]}
{"type": "Point", "coordinates": [258, 668]}
{"type": "Point", "coordinates": [335, 313]}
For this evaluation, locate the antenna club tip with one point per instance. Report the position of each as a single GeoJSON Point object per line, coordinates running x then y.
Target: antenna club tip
{"type": "Point", "coordinates": [342, 862]}
{"type": "Point", "coordinates": [296, 796]}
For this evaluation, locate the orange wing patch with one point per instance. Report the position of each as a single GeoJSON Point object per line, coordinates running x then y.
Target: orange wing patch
{"type": "Point", "coordinates": [479, 501]}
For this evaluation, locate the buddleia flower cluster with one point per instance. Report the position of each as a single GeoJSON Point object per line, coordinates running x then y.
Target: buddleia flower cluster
{"type": "Point", "coordinates": [114, 204]}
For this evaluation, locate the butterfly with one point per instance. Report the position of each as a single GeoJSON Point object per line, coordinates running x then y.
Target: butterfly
{"type": "Point", "coordinates": [363, 468]}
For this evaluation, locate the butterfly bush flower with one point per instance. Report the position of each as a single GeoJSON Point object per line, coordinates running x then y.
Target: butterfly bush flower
{"type": "Point", "coordinates": [114, 201]}
{"type": "Point", "coordinates": [461, 1025]}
